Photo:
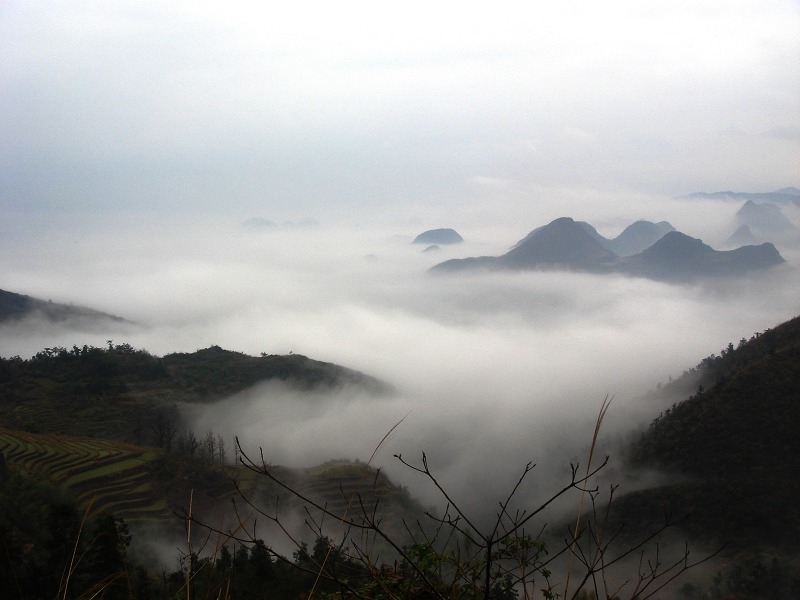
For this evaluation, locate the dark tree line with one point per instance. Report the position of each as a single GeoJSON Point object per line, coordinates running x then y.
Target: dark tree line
{"type": "Point", "coordinates": [49, 549]}
{"type": "Point", "coordinates": [166, 432]}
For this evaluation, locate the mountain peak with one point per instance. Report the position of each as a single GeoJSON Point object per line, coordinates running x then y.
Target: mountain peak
{"type": "Point", "coordinates": [563, 242]}
{"type": "Point", "coordinates": [679, 257]}
{"type": "Point", "coordinates": [438, 236]}
{"type": "Point", "coordinates": [766, 219]}
{"type": "Point", "coordinates": [678, 245]}
{"type": "Point", "coordinates": [638, 237]}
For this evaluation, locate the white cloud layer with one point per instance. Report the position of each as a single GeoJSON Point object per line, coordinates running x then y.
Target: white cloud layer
{"type": "Point", "coordinates": [135, 137]}
{"type": "Point", "coordinates": [491, 370]}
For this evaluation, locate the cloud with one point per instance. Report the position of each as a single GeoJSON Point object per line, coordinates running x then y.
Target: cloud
{"type": "Point", "coordinates": [135, 139]}
{"type": "Point", "coordinates": [787, 132]}
{"type": "Point", "coordinates": [491, 370]}
{"type": "Point", "coordinates": [494, 183]}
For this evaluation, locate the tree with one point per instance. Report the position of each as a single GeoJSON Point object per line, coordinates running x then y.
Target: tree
{"type": "Point", "coordinates": [210, 446]}
{"type": "Point", "coordinates": [104, 567]}
{"type": "Point", "coordinates": [221, 449]}
{"type": "Point", "coordinates": [165, 427]}
{"type": "Point", "coordinates": [453, 555]}
{"type": "Point", "coordinates": [51, 550]}
{"type": "Point", "coordinates": [188, 443]}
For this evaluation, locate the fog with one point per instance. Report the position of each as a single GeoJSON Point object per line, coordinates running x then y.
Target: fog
{"type": "Point", "coordinates": [491, 370]}
{"type": "Point", "coordinates": [142, 144]}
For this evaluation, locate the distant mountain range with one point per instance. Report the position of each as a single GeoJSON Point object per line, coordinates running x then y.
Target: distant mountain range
{"type": "Point", "coordinates": [644, 249]}
{"type": "Point", "coordinates": [15, 306]}
{"type": "Point", "coordinates": [762, 222]}
{"type": "Point", "coordinates": [635, 237]}
{"type": "Point", "coordinates": [788, 195]}
{"type": "Point", "coordinates": [760, 218]}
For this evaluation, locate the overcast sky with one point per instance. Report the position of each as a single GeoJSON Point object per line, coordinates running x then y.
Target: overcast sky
{"type": "Point", "coordinates": [326, 110]}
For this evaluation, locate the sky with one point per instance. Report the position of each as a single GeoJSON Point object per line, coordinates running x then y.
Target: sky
{"type": "Point", "coordinates": [136, 138]}
{"type": "Point", "coordinates": [326, 111]}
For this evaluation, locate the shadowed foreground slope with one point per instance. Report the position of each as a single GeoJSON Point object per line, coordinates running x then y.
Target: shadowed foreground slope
{"type": "Point", "coordinates": [732, 447]}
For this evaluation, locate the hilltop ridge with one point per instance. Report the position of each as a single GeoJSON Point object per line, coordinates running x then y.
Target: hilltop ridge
{"type": "Point", "coordinates": [15, 306]}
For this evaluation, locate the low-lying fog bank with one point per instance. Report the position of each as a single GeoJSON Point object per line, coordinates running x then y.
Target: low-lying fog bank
{"type": "Point", "coordinates": [491, 370]}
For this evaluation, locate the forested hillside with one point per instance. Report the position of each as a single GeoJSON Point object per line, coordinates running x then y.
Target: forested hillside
{"type": "Point", "coordinates": [127, 394]}
{"type": "Point", "coordinates": [94, 452]}
{"type": "Point", "coordinates": [731, 449]}
{"type": "Point", "coordinates": [98, 430]}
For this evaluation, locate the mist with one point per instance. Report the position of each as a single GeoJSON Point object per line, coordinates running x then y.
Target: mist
{"type": "Point", "coordinates": [490, 370]}
{"type": "Point", "coordinates": [253, 176]}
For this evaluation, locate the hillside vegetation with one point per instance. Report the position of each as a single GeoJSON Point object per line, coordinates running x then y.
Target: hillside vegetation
{"type": "Point", "coordinates": [732, 447]}
{"type": "Point", "coordinates": [102, 427]}
{"type": "Point", "coordinates": [126, 394]}
{"type": "Point", "coordinates": [14, 307]}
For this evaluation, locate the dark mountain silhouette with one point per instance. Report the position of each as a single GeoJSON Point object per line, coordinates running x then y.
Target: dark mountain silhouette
{"type": "Point", "coordinates": [583, 224]}
{"type": "Point", "coordinates": [467, 264]}
{"type": "Point", "coordinates": [438, 236]}
{"type": "Point", "coordinates": [106, 426]}
{"type": "Point", "coordinates": [565, 244]}
{"type": "Point", "coordinates": [634, 238]}
{"type": "Point", "coordinates": [119, 385]}
{"type": "Point", "coordinates": [18, 306]}
{"type": "Point", "coordinates": [678, 257]}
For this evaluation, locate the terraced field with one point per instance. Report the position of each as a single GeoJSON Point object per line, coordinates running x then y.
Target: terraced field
{"type": "Point", "coordinates": [341, 486]}
{"type": "Point", "coordinates": [109, 476]}
{"type": "Point", "coordinates": [338, 486]}
{"type": "Point", "coordinates": [142, 484]}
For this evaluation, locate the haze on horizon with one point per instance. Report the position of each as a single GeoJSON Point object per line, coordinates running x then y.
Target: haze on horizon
{"type": "Point", "coordinates": [136, 138]}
